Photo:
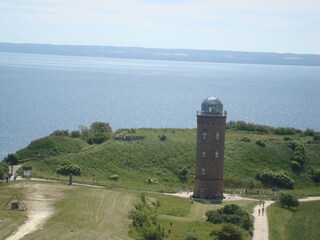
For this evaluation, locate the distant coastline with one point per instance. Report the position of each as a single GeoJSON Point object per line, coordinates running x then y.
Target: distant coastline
{"type": "Point", "coordinates": [165, 54]}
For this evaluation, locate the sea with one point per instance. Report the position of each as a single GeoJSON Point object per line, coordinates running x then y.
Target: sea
{"type": "Point", "coordinates": [43, 93]}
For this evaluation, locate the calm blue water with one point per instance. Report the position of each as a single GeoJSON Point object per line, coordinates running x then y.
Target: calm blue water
{"type": "Point", "coordinates": [42, 93]}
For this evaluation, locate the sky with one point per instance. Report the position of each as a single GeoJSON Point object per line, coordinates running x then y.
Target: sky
{"type": "Point", "coordinates": [284, 26]}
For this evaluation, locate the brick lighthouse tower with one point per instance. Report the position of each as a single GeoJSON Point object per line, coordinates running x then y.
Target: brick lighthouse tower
{"type": "Point", "coordinates": [211, 123]}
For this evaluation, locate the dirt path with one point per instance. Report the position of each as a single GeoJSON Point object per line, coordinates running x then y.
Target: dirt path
{"type": "Point", "coordinates": [39, 200]}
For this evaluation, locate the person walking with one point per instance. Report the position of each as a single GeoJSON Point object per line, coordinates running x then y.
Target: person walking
{"type": "Point", "coordinates": [262, 211]}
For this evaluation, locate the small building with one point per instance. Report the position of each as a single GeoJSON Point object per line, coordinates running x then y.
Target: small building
{"type": "Point", "coordinates": [27, 172]}
{"type": "Point", "coordinates": [211, 121]}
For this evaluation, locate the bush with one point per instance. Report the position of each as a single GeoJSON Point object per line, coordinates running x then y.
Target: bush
{"type": "Point", "coordinates": [61, 133]}
{"type": "Point", "coordinates": [227, 232]}
{"type": "Point", "coordinates": [230, 214]}
{"type": "Point", "coordinates": [151, 181]}
{"type": "Point", "coordinates": [295, 166]}
{"type": "Point", "coordinates": [287, 139]}
{"type": "Point", "coordinates": [245, 139]}
{"type": "Point", "coordinates": [98, 133]}
{"type": "Point", "coordinates": [298, 153]}
{"type": "Point", "coordinates": [144, 218]}
{"type": "Point", "coordinates": [288, 200]}
{"type": "Point", "coordinates": [114, 177]}
{"type": "Point", "coordinates": [162, 137]}
{"type": "Point", "coordinates": [260, 143]}
{"type": "Point", "coordinates": [75, 134]}
{"type": "Point", "coordinates": [183, 174]}
{"type": "Point", "coordinates": [66, 168]}
{"type": "Point", "coordinates": [279, 179]}
{"type": "Point", "coordinates": [316, 138]}
{"type": "Point", "coordinates": [309, 132]}
{"type": "Point", "coordinates": [285, 131]}
{"type": "Point", "coordinates": [315, 175]}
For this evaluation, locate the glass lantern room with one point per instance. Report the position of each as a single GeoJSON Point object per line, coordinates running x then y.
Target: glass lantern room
{"type": "Point", "coordinates": [211, 106]}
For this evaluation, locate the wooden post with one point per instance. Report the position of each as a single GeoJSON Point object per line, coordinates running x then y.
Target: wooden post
{"type": "Point", "coordinates": [70, 179]}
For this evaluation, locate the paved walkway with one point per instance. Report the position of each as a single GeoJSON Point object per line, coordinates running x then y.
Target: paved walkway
{"type": "Point", "coordinates": [261, 230]}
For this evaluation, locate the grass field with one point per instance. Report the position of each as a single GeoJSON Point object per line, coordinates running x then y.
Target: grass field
{"type": "Point", "coordinates": [300, 224]}
{"type": "Point", "coordinates": [97, 213]}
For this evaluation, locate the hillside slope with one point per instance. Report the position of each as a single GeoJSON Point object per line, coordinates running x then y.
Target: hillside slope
{"type": "Point", "coordinates": [152, 164]}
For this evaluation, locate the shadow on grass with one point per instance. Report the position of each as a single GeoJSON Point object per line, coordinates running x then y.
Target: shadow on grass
{"type": "Point", "coordinates": [208, 201]}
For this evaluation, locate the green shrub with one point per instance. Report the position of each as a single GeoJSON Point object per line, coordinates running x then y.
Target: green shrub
{"type": "Point", "coordinates": [151, 181]}
{"type": "Point", "coordinates": [227, 232]}
{"type": "Point", "coordinates": [230, 213]}
{"type": "Point", "coordinates": [114, 177]}
{"type": "Point", "coordinates": [75, 134]}
{"type": "Point", "coordinates": [183, 174]}
{"type": "Point", "coordinates": [279, 179]}
{"type": "Point", "coordinates": [162, 137]}
{"type": "Point", "coordinates": [287, 200]}
{"type": "Point", "coordinates": [144, 218]}
{"type": "Point", "coordinates": [61, 133]}
{"type": "Point", "coordinates": [315, 175]}
{"type": "Point", "coordinates": [245, 139]}
{"type": "Point", "coordinates": [295, 166]}
{"type": "Point", "coordinates": [260, 143]}
{"type": "Point", "coordinates": [309, 132]}
{"type": "Point", "coordinates": [287, 139]}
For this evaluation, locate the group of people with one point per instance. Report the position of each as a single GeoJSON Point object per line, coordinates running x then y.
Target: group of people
{"type": "Point", "coordinates": [261, 208]}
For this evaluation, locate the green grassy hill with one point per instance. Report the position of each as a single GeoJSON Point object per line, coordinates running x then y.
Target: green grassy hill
{"type": "Point", "coordinates": [138, 162]}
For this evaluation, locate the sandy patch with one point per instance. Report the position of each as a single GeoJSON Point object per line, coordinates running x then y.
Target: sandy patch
{"type": "Point", "coordinates": [39, 200]}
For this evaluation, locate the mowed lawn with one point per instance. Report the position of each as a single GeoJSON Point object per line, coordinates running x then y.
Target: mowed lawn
{"type": "Point", "coordinates": [79, 212]}
{"type": "Point", "coordinates": [82, 212]}
{"type": "Point", "coordinates": [300, 224]}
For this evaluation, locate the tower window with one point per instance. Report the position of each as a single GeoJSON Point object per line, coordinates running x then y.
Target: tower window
{"type": "Point", "coordinates": [217, 136]}
{"type": "Point", "coordinates": [216, 154]}
{"type": "Point", "coordinates": [203, 171]}
{"type": "Point", "coordinates": [204, 135]}
{"type": "Point", "coordinates": [203, 154]}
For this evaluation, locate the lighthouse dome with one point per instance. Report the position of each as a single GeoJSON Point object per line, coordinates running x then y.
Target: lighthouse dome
{"type": "Point", "coordinates": [212, 106]}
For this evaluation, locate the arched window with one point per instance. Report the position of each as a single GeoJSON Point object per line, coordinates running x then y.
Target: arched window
{"type": "Point", "coordinates": [216, 154]}
{"type": "Point", "coordinates": [217, 136]}
{"type": "Point", "coordinates": [203, 171]}
{"type": "Point", "coordinates": [203, 154]}
{"type": "Point", "coordinates": [204, 135]}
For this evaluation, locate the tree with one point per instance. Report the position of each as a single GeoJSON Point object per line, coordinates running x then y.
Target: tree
{"type": "Point", "coordinates": [98, 132]}
{"type": "Point", "coordinates": [144, 218]}
{"type": "Point", "coordinates": [66, 168]}
{"type": "Point", "coordinates": [3, 169]}
{"type": "Point", "coordinates": [288, 200]}
{"type": "Point", "coordinates": [11, 159]}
